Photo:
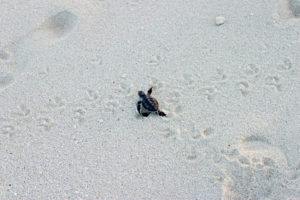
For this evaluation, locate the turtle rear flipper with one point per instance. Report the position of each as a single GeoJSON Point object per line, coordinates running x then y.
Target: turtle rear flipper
{"type": "Point", "coordinates": [161, 113]}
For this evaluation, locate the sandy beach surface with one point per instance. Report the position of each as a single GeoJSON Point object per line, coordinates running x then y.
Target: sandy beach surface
{"type": "Point", "coordinates": [225, 72]}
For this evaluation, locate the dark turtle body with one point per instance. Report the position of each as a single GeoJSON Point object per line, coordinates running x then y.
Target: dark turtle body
{"type": "Point", "coordinates": [148, 104]}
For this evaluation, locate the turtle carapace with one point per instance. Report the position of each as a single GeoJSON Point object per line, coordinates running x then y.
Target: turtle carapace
{"type": "Point", "coordinates": [148, 104]}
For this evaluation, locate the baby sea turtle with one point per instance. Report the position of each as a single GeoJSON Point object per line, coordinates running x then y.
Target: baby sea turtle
{"type": "Point", "coordinates": [148, 104]}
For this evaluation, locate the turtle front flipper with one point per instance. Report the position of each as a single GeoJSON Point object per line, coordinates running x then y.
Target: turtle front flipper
{"type": "Point", "coordinates": [149, 91]}
{"type": "Point", "coordinates": [142, 94]}
{"type": "Point", "coordinates": [161, 113]}
{"type": "Point", "coordinates": [141, 109]}
{"type": "Point", "coordinates": [138, 106]}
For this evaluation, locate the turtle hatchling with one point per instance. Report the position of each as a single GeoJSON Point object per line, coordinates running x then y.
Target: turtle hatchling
{"type": "Point", "coordinates": [148, 104]}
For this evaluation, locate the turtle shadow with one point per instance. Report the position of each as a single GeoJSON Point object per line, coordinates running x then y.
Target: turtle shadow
{"type": "Point", "coordinates": [139, 116]}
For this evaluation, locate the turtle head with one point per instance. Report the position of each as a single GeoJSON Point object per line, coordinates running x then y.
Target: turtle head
{"type": "Point", "coordinates": [142, 94]}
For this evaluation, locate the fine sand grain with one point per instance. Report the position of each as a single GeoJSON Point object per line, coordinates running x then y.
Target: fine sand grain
{"type": "Point", "coordinates": [225, 72]}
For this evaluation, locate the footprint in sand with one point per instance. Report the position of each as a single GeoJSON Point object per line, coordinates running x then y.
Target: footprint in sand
{"type": "Point", "coordinates": [287, 10]}
{"type": "Point", "coordinates": [111, 105]}
{"type": "Point", "coordinates": [244, 87]}
{"type": "Point", "coordinates": [191, 153]}
{"type": "Point", "coordinates": [6, 77]}
{"type": "Point", "coordinates": [92, 97]}
{"type": "Point", "coordinates": [57, 26]}
{"type": "Point", "coordinates": [55, 103]}
{"type": "Point", "coordinates": [196, 134]}
{"type": "Point", "coordinates": [286, 65]}
{"type": "Point", "coordinates": [209, 93]}
{"type": "Point", "coordinates": [154, 61]}
{"type": "Point", "coordinates": [125, 88]}
{"type": "Point", "coordinates": [20, 54]}
{"type": "Point", "coordinates": [21, 112]}
{"type": "Point", "coordinates": [172, 108]}
{"type": "Point", "coordinates": [157, 84]}
{"type": "Point", "coordinates": [96, 60]}
{"type": "Point", "coordinates": [171, 103]}
{"type": "Point", "coordinates": [45, 123]}
{"type": "Point", "coordinates": [7, 130]}
{"type": "Point", "coordinates": [220, 77]}
{"type": "Point", "coordinates": [173, 133]}
{"type": "Point", "coordinates": [208, 132]}
{"type": "Point", "coordinates": [6, 80]}
{"type": "Point", "coordinates": [256, 152]}
{"type": "Point", "coordinates": [248, 183]}
{"type": "Point", "coordinates": [273, 81]}
{"type": "Point", "coordinates": [295, 7]}
{"type": "Point", "coordinates": [258, 148]}
{"type": "Point", "coordinates": [254, 169]}
{"type": "Point", "coordinates": [79, 115]}
{"type": "Point", "coordinates": [190, 80]}
{"type": "Point", "coordinates": [252, 71]}
{"type": "Point", "coordinates": [4, 55]}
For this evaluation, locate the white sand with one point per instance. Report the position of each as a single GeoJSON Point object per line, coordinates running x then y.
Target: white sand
{"type": "Point", "coordinates": [69, 76]}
